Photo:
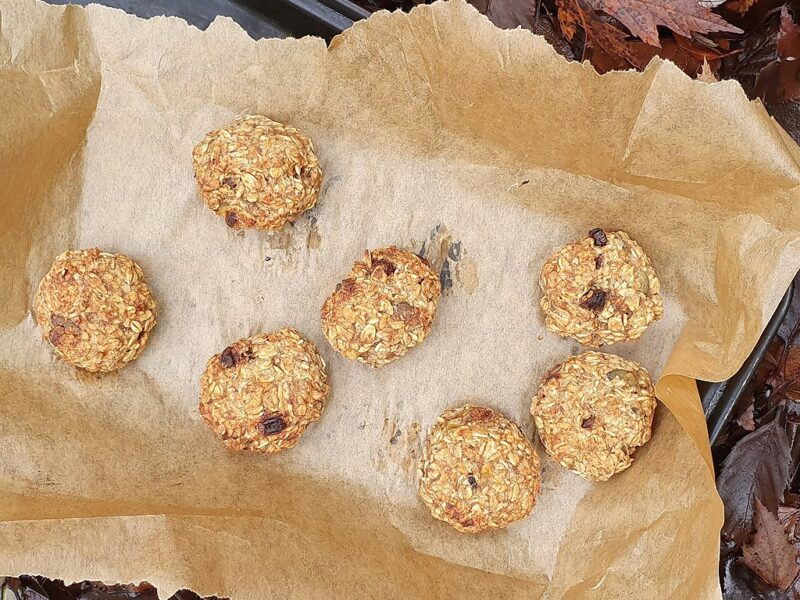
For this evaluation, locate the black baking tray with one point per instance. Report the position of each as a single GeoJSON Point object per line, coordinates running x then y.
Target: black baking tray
{"type": "Point", "coordinates": [260, 18]}
{"type": "Point", "coordinates": [721, 400]}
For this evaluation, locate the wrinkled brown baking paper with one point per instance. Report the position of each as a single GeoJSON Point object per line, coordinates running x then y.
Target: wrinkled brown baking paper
{"type": "Point", "coordinates": [433, 129]}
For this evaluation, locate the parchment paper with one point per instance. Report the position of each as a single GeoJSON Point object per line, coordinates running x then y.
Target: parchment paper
{"type": "Point", "coordinates": [433, 129]}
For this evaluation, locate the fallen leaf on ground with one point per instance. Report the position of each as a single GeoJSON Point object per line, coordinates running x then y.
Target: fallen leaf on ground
{"type": "Point", "coordinates": [684, 17]}
{"type": "Point", "coordinates": [706, 74]}
{"type": "Point", "coordinates": [789, 517]}
{"type": "Point", "coordinates": [756, 468]}
{"type": "Point", "coordinates": [740, 6]}
{"type": "Point", "coordinates": [759, 49]}
{"type": "Point", "coordinates": [510, 14]}
{"type": "Point", "coordinates": [745, 419]}
{"type": "Point", "coordinates": [579, 13]}
{"type": "Point", "coordinates": [769, 553]}
{"type": "Point", "coordinates": [779, 81]}
{"type": "Point", "coordinates": [788, 36]}
{"type": "Point", "coordinates": [737, 581]}
{"type": "Point", "coordinates": [687, 55]}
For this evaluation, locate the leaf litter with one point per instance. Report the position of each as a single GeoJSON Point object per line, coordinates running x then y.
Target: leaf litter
{"type": "Point", "coordinates": [758, 461]}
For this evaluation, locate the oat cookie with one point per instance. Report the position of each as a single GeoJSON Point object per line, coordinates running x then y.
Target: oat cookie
{"type": "Point", "coordinates": [592, 411]}
{"type": "Point", "coordinates": [478, 471]}
{"type": "Point", "coordinates": [383, 308]}
{"type": "Point", "coordinates": [257, 173]}
{"type": "Point", "coordinates": [95, 309]}
{"type": "Point", "coordinates": [600, 289]}
{"type": "Point", "coordinates": [262, 392]}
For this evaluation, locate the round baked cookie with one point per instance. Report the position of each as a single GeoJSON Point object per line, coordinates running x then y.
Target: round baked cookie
{"type": "Point", "coordinates": [593, 411]}
{"type": "Point", "coordinates": [383, 308]}
{"type": "Point", "coordinates": [257, 173]}
{"type": "Point", "coordinates": [600, 289]}
{"type": "Point", "coordinates": [95, 309]}
{"type": "Point", "coordinates": [262, 392]}
{"type": "Point", "coordinates": [478, 471]}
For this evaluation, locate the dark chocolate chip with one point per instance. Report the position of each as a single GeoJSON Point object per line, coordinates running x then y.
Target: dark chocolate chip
{"type": "Point", "coordinates": [272, 424]}
{"type": "Point", "coordinates": [473, 483]}
{"type": "Point", "coordinates": [594, 300]}
{"type": "Point", "coordinates": [229, 182]}
{"type": "Point", "coordinates": [599, 237]}
{"type": "Point", "coordinates": [598, 261]}
{"type": "Point", "coordinates": [229, 357]}
{"type": "Point", "coordinates": [58, 320]}
{"type": "Point", "coordinates": [588, 422]}
{"type": "Point", "coordinates": [231, 219]}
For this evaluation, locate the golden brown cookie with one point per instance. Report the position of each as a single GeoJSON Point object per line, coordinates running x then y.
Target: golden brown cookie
{"type": "Point", "coordinates": [95, 309]}
{"type": "Point", "coordinates": [478, 471]}
{"type": "Point", "coordinates": [592, 411]}
{"type": "Point", "coordinates": [600, 289]}
{"type": "Point", "coordinates": [262, 392]}
{"type": "Point", "coordinates": [383, 308]}
{"type": "Point", "coordinates": [257, 173]}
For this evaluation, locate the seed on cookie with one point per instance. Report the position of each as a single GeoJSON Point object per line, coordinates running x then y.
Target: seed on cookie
{"type": "Point", "coordinates": [95, 309]}
{"type": "Point", "coordinates": [257, 173]}
{"type": "Point", "coordinates": [593, 411]}
{"type": "Point", "coordinates": [262, 392]}
{"type": "Point", "coordinates": [478, 471]}
{"type": "Point", "coordinates": [600, 289]}
{"type": "Point", "coordinates": [383, 308]}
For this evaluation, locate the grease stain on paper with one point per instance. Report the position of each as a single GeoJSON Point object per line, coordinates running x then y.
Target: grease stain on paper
{"type": "Point", "coordinates": [400, 449]}
{"type": "Point", "coordinates": [301, 236]}
{"type": "Point", "coordinates": [448, 257]}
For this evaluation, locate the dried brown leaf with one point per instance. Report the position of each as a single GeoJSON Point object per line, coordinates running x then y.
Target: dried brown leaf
{"type": "Point", "coordinates": [779, 81]}
{"type": "Point", "coordinates": [769, 553]}
{"type": "Point", "coordinates": [684, 17]}
{"type": "Point", "coordinates": [756, 468]}
{"type": "Point", "coordinates": [788, 36]}
{"type": "Point", "coordinates": [745, 420]}
{"type": "Point", "coordinates": [509, 14]}
{"type": "Point", "coordinates": [579, 13]}
{"type": "Point", "coordinates": [706, 74]}
{"type": "Point", "coordinates": [740, 6]}
{"type": "Point", "coordinates": [790, 517]}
